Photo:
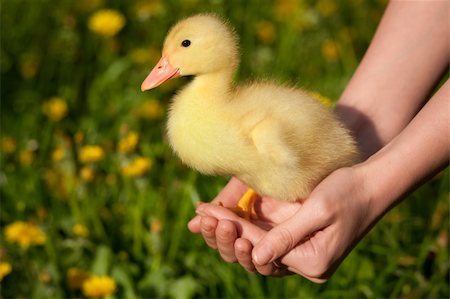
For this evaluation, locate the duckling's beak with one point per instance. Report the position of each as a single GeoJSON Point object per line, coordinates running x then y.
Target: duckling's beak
{"type": "Point", "coordinates": [162, 72]}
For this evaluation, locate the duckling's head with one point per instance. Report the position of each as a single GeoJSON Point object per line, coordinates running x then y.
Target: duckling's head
{"type": "Point", "coordinates": [198, 45]}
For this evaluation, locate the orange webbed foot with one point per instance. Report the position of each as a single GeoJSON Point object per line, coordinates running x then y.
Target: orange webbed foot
{"type": "Point", "coordinates": [245, 207]}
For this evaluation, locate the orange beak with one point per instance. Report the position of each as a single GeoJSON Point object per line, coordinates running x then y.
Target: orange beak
{"type": "Point", "coordinates": [162, 72]}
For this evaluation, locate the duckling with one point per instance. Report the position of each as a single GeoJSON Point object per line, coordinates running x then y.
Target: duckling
{"type": "Point", "coordinates": [276, 139]}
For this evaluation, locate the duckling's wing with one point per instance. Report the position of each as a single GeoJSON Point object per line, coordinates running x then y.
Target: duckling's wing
{"type": "Point", "coordinates": [271, 142]}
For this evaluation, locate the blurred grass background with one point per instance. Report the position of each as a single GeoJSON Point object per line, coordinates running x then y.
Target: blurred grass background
{"type": "Point", "coordinates": [89, 186]}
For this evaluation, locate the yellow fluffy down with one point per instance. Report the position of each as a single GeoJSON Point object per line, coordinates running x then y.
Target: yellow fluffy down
{"type": "Point", "coordinates": [275, 138]}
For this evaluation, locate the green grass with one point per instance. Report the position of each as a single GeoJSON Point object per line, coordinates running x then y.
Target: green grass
{"type": "Point", "coordinates": [137, 226]}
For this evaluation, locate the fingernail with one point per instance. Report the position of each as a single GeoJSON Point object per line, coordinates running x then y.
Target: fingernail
{"type": "Point", "coordinates": [262, 256]}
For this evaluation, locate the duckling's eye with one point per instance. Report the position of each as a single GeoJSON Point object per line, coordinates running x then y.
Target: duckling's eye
{"type": "Point", "coordinates": [186, 43]}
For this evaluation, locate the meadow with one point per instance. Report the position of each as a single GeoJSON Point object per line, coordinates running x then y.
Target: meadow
{"type": "Point", "coordinates": [94, 203]}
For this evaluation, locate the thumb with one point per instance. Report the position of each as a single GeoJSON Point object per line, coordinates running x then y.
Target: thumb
{"type": "Point", "coordinates": [284, 237]}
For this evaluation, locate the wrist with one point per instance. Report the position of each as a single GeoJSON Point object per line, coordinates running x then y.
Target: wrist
{"type": "Point", "coordinates": [382, 184]}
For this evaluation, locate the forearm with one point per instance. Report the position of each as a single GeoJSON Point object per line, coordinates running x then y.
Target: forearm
{"type": "Point", "coordinates": [406, 58]}
{"type": "Point", "coordinates": [420, 151]}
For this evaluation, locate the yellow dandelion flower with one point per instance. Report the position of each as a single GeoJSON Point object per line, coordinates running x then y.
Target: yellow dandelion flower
{"type": "Point", "coordinates": [91, 154]}
{"type": "Point", "coordinates": [137, 167]}
{"type": "Point", "coordinates": [128, 143]}
{"type": "Point", "coordinates": [26, 157]}
{"type": "Point", "coordinates": [87, 174]}
{"type": "Point", "coordinates": [106, 22]}
{"type": "Point", "coordinates": [5, 269]}
{"type": "Point", "coordinates": [98, 286]}
{"type": "Point", "coordinates": [24, 234]}
{"type": "Point", "coordinates": [266, 32]}
{"type": "Point", "coordinates": [150, 109]}
{"type": "Point", "coordinates": [80, 230]}
{"type": "Point", "coordinates": [326, 7]}
{"type": "Point", "coordinates": [321, 98]}
{"type": "Point", "coordinates": [76, 277]}
{"type": "Point", "coordinates": [330, 50]}
{"type": "Point", "coordinates": [58, 154]}
{"type": "Point", "coordinates": [55, 108]}
{"type": "Point", "coordinates": [8, 145]}
{"type": "Point", "coordinates": [146, 9]}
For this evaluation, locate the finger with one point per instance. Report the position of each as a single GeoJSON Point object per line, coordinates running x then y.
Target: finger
{"type": "Point", "coordinates": [284, 237]}
{"type": "Point", "coordinates": [231, 193]}
{"type": "Point", "coordinates": [194, 225]}
{"type": "Point", "coordinates": [245, 229]}
{"type": "Point", "coordinates": [254, 234]}
{"type": "Point", "coordinates": [208, 230]}
{"type": "Point", "coordinates": [228, 197]}
{"type": "Point", "coordinates": [268, 269]}
{"type": "Point", "coordinates": [243, 252]}
{"type": "Point", "coordinates": [225, 238]}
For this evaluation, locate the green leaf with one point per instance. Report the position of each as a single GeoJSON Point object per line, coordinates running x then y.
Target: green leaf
{"type": "Point", "coordinates": [155, 283]}
{"type": "Point", "coordinates": [183, 288]}
{"type": "Point", "coordinates": [366, 269]}
{"type": "Point", "coordinates": [102, 260]}
{"type": "Point", "coordinates": [125, 280]}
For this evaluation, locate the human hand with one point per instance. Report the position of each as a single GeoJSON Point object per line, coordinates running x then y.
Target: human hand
{"type": "Point", "coordinates": [228, 197]}
{"type": "Point", "coordinates": [222, 233]}
{"type": "Point", "coordinates": [206, 225]}
{"type": "Point", "coordinates": [310, 239]}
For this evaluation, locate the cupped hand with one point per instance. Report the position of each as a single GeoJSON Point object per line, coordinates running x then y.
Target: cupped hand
{"type": "Point", "coordinates": [309, 238]}
{"type": "Point", "coordinates": [222, 230]}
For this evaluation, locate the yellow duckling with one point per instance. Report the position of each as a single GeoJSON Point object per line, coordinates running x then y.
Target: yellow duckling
{"type": "Point", "coordinates": [276, 139]}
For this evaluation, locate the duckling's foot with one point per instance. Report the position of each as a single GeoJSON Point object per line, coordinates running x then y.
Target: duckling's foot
{"type": "Point", "coordinates": [245, 207]}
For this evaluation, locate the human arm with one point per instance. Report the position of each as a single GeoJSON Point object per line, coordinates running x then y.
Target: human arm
{"type": "Point", "coordinates": [407, 56]}
{"type": "Point", "coordinates": [314, 240]}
